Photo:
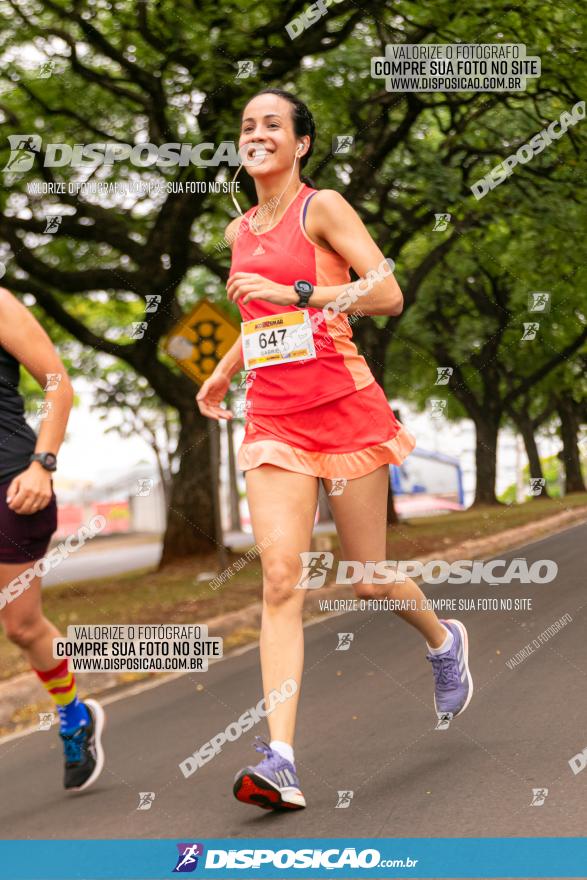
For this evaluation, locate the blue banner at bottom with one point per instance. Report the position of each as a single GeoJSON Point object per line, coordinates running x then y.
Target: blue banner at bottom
{"type": "Point", "coordinates": [501, 857]}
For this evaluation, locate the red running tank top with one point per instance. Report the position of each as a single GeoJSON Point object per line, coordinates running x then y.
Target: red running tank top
{"type": "Point", "coordinates": [284, 255]}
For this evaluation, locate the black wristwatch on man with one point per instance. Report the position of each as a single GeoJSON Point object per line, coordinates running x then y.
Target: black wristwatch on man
{"type": "Point", "coordinates": [48, 460]}
{"type": "Point", "coordinates": [304, 290]}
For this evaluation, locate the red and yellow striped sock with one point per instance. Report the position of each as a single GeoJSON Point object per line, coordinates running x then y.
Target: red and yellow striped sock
{"type": "Point", "coordinates": [60, 682]}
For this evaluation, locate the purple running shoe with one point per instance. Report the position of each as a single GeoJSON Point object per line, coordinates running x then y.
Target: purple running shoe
{"type": "Point", "coordinates": [453, 685]}
{"type": "Point", "coordinates": [272, 785]}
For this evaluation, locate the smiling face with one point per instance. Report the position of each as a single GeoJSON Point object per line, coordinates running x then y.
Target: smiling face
{"type": "Point", "coordinates": [268, 120]}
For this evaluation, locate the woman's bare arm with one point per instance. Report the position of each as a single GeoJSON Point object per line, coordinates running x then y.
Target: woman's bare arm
{"type": "Point", "coordinates": [331, 219]}
{"type": "Point", "coordinates": [23, 337]}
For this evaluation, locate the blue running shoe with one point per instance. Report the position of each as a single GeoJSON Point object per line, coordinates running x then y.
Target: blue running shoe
{"type": "Point", "coordinates": [272, 785]}
{"type": "Point", "coordinates": [84, 755]}
{"type": "Point", "coordinates": [453, 685]}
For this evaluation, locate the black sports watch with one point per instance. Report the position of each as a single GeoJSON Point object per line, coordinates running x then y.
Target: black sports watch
{"type": "Point", "coordinates": [304, 290]}
{"type": "Point", "coordinates": [46, 459]}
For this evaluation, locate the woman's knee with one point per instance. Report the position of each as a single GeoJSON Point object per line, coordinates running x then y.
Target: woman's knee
{"type": "Point", "coordinates": [24, 631]}
{"type": "Point", "coordinates": [280, 577]}
{"type": "Point", "coordinates": [392, 590]}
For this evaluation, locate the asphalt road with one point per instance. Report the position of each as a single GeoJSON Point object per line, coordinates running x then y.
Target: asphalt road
{"type": "Point", "coordinates": [105, 562]}
{"type": "Point", "coordinates": [366, 724]}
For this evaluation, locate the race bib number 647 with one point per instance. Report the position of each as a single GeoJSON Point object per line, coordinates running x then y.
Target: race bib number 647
{"type": "Point", "coordinates": [277, 339]}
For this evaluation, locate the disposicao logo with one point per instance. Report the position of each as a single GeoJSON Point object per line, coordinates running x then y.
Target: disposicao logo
{"type": "Point", "coordinates": [187, 860]}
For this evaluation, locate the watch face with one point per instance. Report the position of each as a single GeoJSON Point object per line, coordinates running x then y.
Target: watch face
{"type": "Point", "coordinates": [303, 287]}
{"type": "Point", "coordinates": [50, 459]}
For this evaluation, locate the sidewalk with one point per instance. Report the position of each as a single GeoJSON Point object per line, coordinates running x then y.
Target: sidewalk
{"type": "Point", "coordinates": [117, 539]}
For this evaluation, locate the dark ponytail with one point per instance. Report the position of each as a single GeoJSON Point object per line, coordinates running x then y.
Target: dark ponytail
{"type": "Point", "coordinates": [303, 123]}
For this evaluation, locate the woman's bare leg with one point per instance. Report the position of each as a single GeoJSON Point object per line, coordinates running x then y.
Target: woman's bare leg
{"type": "Point", "coordinates": [360, 514]}
{"type": "Point", "coordinates": [283, 508]}
{"type": "Point", "coordinates": [24, 622]}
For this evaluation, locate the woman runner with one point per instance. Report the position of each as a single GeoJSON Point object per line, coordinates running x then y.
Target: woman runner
{"type": "Point", "coordinates": [313, 412]}
{"type": "Point", "coordinates": [28, 518]}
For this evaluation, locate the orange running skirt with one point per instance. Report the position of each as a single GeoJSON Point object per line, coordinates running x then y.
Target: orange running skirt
{"type": "Point", "coordinates": [347, 437]}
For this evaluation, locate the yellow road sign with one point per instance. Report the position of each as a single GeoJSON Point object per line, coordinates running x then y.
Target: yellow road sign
{"type": "Point", "coordinates": [199, 341]}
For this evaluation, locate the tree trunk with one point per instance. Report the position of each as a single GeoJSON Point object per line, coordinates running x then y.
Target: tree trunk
{"type": "Point", "coordinates": [486, 459]}
{"type": "Point", "coordinates": [235, 516]}
{"type": "Point", "coordinates": [323, 505]}
{"type": "Point", "coordinates": [163, 476]}
{"type": "Point", "coordinates": [570, 452]}
{"type": "Point", "coordinates": [525, 427]}
{"type": "Point", "coordinates": [190, 519]}
{"type": "Point", "coordinates": [392, 517]}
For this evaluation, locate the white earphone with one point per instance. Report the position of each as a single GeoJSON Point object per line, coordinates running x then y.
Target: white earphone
{"type": "Point", "coordinates": [236, 204]}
